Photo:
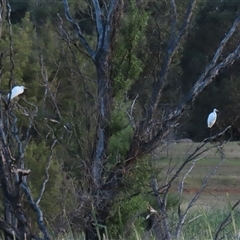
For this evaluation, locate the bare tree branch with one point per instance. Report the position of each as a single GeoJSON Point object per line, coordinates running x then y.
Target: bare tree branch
{"type": "Point", "coordinates": [183, 216]}
{"type": "Point", "coordinates": [79, 32]}
{"type": "Point", "coordinates": [19, 142]}
{"type": "Point", "coordinates": [2, 15]}
{"type": "Point", "coordinates": [36, 209]}
{"type": "Point", "coordinates": [99, 23]}
{"type": "Point", "coordinates": [173, 46]}
{"type": "Point", "coordinates": [130, 113]}
{"type": "Point", "coordinates": [197, 153]}
{"type": "Point", "coordinates": [11, 82]}
{"type": "Point", "coordinates": [11, 180]}
{"type": "Point", "coordinates": [47, 174]}
{"type": "Point", "coordinates": [109, 28]}
{"type": "Point", "coordinates": [69, 43]}
{"type": "Point", "coordinates": [174, 19]}
{"type": "Point", "coordinates": [47, 88]}
{"type": "Point", "coordinates": [213, 68]}
{"type": "Point", "coordinates": [164, 232]}
{"type": "Point", "coordinates": [9, 230]}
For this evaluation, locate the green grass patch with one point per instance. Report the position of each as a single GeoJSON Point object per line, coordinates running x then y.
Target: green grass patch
{"type": "Point", "coordinates": [202, 224]}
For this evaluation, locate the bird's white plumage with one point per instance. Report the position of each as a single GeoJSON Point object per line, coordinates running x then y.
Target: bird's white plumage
{"type": "Point", "coordinates": [212, 117]}
{"type": "Point", "coordinates": [17, 90]}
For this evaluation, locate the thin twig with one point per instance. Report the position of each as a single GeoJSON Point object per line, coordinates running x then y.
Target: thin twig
{"type": "Point", "coordinates": [79, 31]}
{"type": "Point", "coordinates": [11, 82]}
{"type": "Point", "coordinates": [69, 42]}
{"type": "Point", "coordinates": [47, 174]}
{"type": "Point", "coordinates": [197, 154]}
{"type": "Point", "coordinates": [183, 216]}
{"type": "Point", "coordinates": [47, 89]}
{"type": "Point", "coordinates": [130, 114]}
{"type": "Point", "coordinates": [36, 209]}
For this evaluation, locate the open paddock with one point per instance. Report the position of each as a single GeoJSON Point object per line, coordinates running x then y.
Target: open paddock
{"type": "Point", "coordinates": [223, 187]}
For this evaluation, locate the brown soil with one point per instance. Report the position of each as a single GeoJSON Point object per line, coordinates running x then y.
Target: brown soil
{"type": "Point", "coordinates": [212, 191]}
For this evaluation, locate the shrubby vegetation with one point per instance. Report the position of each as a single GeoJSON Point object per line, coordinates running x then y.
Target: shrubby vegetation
{"type": "Point", "coordinates": [89, 118]}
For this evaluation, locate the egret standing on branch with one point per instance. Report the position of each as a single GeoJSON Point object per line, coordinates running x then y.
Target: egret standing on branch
{"type": "Point", "coordinates": [212, 118]}
{"type": "Point", "coordinates": [17, 90]}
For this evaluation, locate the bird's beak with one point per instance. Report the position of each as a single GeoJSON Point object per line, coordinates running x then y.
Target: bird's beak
{"type": "Point", "coordinates": [25, 88]}
{"type": "Point", "coordinates": [217, 110]}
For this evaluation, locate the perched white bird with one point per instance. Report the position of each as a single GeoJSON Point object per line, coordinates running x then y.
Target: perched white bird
{"type": "Point", "coordinates": [17, 90]}
{"type": "Point", "coordinates": [212, 117]}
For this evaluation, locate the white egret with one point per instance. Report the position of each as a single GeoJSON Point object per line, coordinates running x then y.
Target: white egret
{"type": "Point", "coordinates": [212, 117]}
{"type": "Point", "coordinates": [17, 90]}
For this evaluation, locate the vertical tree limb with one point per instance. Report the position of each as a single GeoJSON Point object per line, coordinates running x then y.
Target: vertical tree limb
{"type": "Point", "coordinates": [79, 31]}
{"type": "Point", "coordinates": [173, 46]}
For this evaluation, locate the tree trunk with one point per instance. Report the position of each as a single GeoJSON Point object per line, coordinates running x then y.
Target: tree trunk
{"type": "Point", "coordinates": [99, 214]}
{"type": "Point", "coordinates": [104, 102]}
{"type": "Point", "coordinates": [16, 224]}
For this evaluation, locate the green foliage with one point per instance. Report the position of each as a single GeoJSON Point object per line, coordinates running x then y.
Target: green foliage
{"type": "Point", "coordinates": [37, 156]}
{"type": "Point", "coordinates": [129, 209]}
{"type": "Point", "coordinates": [173, 201]}
{"type": "Point", "coordinates": [126, 216]}
{"type": "Point", "coordinates": [206, 222]}
{"type": "Point", "coordinates": [122, 132]}
{"type": "Point", "coordinates": [22, 42]}
{"type": "Point", "coordinates": [127, 63]}
{"type": "Point", "coordinates": [127, 67]}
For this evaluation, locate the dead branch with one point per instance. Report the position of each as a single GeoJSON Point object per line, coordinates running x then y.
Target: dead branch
{"type": "Point", "coordinates": [11, 81]}
{"type": "Point", "coordinates": [23, 172]}
{"type": "Point", "coordinates": [162, 230]}
{"type": "Point", "coordinates": [173, 46]}
{"type": "Point", "coordinates": [130, 113]}
{"type": "Point", "coordinates": [47, 174]}
{"type": "Point", "coordinates": [183, 216]}
{"type": "Point", "coordinates": [47, 88]}
{"type": "Point", "coordinates": [99, 23]}
{"type": "Point", "coordinates": [2, 14]}
{"type": "Point", "coordinates": [197, 153]}
{"type": "Point", "coordinates": [9, 230]}
{"type": "Point", "coordinates": [79, 31]}
{"type": "Point", "coordinates": [69, 42]}
{"type": "Point", "coordinates": [174, 19]}
{"type": "Point", "coordinates": [17, 138]}
{"type": "Point", "coordinates": [36, 208]}
{"type": "Point", "coordinates": [181, 184]}
{"type": "Point", "coordinates": [212, 69]}
{"type": "Point", "coordinates": [216, 136]}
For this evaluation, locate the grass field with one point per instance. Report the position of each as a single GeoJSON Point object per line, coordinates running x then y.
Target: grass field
{"type": "Point", "coordinates": [223, 187]}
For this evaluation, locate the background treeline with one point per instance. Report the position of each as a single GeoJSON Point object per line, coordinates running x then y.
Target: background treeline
{"type": "Point", "coordinates": [61, 103]}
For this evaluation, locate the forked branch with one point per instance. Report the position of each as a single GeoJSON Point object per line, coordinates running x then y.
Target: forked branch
{"type": "Point", "coordinates": [47, 174]}
{"type": "Point", "coordinates": [79, 31]}
{"type": "Point", "coordinates": [173, 46]}
{"type": "Point", "coordinates": [212, 69]}
{"type": "Point", "coordinates": [182, 216]}
{"type": "Point", "coordinates": [197, 153]}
